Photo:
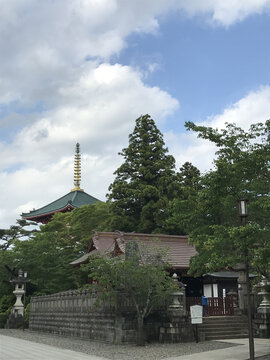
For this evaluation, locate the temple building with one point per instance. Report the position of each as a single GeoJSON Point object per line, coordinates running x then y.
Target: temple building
{"type": "Point", "coordinates": [76, 198]}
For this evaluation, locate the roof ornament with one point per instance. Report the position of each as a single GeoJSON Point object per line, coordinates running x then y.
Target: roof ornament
{"type": "Point", "coordinates": [77, 169]}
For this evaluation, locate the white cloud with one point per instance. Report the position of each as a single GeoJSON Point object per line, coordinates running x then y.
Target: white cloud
{"type": "Point", "coordinates": [253, 108]}
{"type": "Point", "coordinates": [98, 111]}
{"type": "Point", "coordinates": [43, 43]}
{"type": "Point", "coordinates": [224, 12]}
{"type": "Point", "coordinates": [56, 55]}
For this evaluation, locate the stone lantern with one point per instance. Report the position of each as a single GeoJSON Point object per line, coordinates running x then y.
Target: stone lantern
{"type": "Point", "coordinates": [264, 306]}
{"type": "Point", "coordinates": [178, 298]}
{"type": "Point", "coordinates": [20, 289]}
{"type": "Point", "coordinates": [263, 311]}
{"type": "Point", "coordinates": [16, 317]}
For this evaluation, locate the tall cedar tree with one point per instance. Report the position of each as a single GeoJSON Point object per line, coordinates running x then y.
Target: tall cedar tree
{"type": "Point", "coordinates": [180, 207]}
{"type": "Point", "coordinates": [145, 182]}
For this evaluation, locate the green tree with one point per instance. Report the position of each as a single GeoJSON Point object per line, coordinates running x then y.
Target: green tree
{"type": "Point", "coordinates": [8, 237]}
{"type": "Point", "coordinates": [18, 231]}
{"type": "Point", "coordinates": [241, 171]}
{"type": "Point", "coordinates": [144, 183]}
{"type": "Point", "coordinates": [142, 278]}
{"type": "Point", "coordinates": [46, 255]}
{"type": "Point", "coordinates": [183, 204]}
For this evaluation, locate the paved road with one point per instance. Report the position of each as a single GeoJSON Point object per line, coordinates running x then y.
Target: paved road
{"type": "Point", "coordinates": [17, 349]}
{"type": "Point", "coordinates": [12, 348]}
{"type": "Point", "coordinates": [240, 352]}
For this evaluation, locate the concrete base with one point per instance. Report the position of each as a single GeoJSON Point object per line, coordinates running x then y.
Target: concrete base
{"type": "Point", "coordinates": [262, 321]}
{"type": "Point", "coordinates": [14, 322]}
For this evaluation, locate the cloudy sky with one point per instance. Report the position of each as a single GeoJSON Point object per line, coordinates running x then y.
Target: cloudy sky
{"type": "Point", "coordinates": [84, 70]}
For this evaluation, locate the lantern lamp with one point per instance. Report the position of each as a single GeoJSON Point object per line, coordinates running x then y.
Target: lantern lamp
{"type": "Point", "coordinates": [242, 207]}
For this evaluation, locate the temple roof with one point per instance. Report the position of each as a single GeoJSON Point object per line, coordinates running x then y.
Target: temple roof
{"type": "Point", "coordinates": [72, 200]}
{"type": "Point", "coordinates": [179, 250]}
{"type": "Point", "coordinates": [226, 274]}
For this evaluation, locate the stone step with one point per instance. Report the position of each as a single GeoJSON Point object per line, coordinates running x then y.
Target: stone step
{"type": "Point", "coordinates": [221, 328]}
{"type": "Point", "coordinates": [224, 318]}
{"type": "Point", "coordinates": [217, 328]}
{"type": "Point", "coordinates": [226, 336]}
{"type": "Point", "coordinates": [221, 323]}
{"type": "Point", "coordinates": [223, 331]}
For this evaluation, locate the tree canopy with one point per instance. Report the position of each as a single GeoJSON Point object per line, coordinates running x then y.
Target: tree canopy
{"type": "Point", "coordinates": [145, 182]}
{"type": "Point", "coordinates": [46, 254]}
{"type": "Point", "coordinates": [182, 205]}
{"type": "Point", "coordinates": [241, 171]}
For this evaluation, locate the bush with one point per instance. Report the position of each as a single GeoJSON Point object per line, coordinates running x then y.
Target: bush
{"type": "Point", "coordinates": [26, 319]}
{"type": "Point", "coordinates": [4, 317]}
{"type": "Point", "coordinates": [6, 302]}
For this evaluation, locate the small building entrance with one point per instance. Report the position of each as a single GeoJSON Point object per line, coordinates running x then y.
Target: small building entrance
{"type": "Point", "coordinates": [216, 306]}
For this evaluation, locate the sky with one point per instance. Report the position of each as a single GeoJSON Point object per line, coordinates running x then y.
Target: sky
{"type": "Point", "coordinates": [84, 70]}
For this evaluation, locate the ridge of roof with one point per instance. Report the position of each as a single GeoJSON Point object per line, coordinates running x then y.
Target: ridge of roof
{"type": "Point", "coordinates": [75, 199]}
{"type": "Point", "coordinates": [123, 234]}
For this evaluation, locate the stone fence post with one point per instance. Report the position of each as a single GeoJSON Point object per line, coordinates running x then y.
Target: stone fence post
{"type": "Point", "coordinates": [262, 318]}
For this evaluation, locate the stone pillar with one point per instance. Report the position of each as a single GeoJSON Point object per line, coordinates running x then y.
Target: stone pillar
{"type": "Point", "coordinates": [242, 288]}
{"type": "Point", "coordinates": [263, 311]}
{"type": "Point", "coordinates": [234, 296]}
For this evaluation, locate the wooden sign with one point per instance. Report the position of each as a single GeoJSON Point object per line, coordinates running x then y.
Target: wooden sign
{"type": "Point", "coordinates": [196, 312]}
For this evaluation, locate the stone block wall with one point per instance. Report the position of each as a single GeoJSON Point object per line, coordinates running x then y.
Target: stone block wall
{"type": "Point", "coordinates": [178, 329]}
{"type": "Point", "coordinates": [73, 313]}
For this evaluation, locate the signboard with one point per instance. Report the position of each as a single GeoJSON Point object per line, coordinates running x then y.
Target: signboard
{"type": "Point", "coordinates": [196, 312]}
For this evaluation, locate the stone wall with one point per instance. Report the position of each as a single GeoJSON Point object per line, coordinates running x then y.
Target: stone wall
{"type": "Point", "coordinates": [73, 313]}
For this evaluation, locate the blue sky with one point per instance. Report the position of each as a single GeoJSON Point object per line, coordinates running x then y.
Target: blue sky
{"type": "Point", "coordinates": [207, 68]}
{"type": "Point", "coordinates": [83, 71]}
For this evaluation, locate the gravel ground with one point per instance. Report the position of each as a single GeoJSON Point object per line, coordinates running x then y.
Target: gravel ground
{"type": "Point", "coordinates": [151, 351]}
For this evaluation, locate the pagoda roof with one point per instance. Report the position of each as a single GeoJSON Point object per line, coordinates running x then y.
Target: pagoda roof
{"type": "Point", "coordinates": [72, 200]}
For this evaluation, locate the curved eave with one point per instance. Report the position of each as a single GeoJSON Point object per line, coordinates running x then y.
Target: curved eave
{"type": "Point", "coordinates": [63, 209]}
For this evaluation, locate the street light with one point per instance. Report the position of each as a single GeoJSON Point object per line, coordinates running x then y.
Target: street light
{"type": "Point", "coordinates": [242, 209]}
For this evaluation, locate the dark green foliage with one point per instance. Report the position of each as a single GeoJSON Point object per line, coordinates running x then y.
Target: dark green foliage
{"type": "Point", "coordinates": [144, 183]}
{"type": "Point", "coordinates": [27, 312]}
{"type": "Point", "coordinates": [46, 255]}
{"type": "Point", "coordinates": [18, 231]}
{"type": "Point", "coordinates": [6, 302]}
{"type": "Point", "coordinates": [241, 171]}
{"type": "Point", "coordinates": [183, 204]}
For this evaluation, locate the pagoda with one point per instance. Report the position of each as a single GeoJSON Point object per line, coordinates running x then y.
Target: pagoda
{"type": "Point", "coordinates": [73, 200]}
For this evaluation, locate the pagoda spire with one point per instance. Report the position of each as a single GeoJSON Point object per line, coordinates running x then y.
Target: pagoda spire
{"type": "Point", "coordinates": [77, 169]}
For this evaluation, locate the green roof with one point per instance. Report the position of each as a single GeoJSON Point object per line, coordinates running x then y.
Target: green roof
{"type": "Point", "coordinates": [73, 199]}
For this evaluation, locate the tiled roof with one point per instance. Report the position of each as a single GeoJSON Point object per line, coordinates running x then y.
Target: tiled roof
{"type": "Point", "coordinates": [73, 199]}
{"type": "Point", "coordinates": [178, 249]}
{"type": "Point", "coordinates": [83, 259]}
{"type": "Point", "coordinates": [227, 274]}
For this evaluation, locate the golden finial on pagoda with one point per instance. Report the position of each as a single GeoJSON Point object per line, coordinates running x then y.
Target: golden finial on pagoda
{"type": "Point", "coordinates": [77, 169]}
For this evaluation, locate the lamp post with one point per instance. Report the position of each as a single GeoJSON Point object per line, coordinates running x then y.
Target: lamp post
{"type": "Point", "coordinates": [242, 208]}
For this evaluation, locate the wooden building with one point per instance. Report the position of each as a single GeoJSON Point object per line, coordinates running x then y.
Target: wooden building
{"type": "Point", "coordinates": [178, 252]}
